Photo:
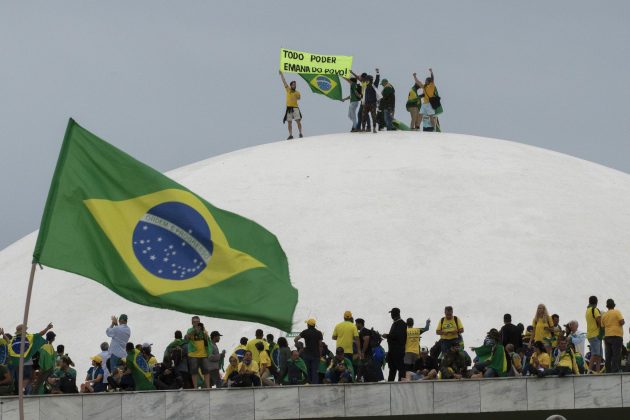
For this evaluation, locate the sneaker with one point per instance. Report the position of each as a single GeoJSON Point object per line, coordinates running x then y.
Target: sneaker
{"type": "Point", "coordinates": [301, 135]}
{"type": "Point", "coordinates": [290, 138]}
{"type": "Point", "coordinates": [374, 130]}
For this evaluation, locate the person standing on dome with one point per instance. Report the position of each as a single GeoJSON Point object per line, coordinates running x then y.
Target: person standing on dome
{"type": "Point", "coordinates": [292, 112]}
{"type": "Point", "coordinates": [593, 334]}
{"type": "Point", "coordinates": [355, 99]}
{"type": "Point", "coordinates": [450, 329]}
{"type": "Point", "coordinates": [429, 101]}
{"type": "Point", "coordinates": [347, 336]}
{"type": "Point", "coordinates": [388, 104]}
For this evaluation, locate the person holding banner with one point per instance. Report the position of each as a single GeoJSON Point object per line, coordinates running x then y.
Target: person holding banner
{"type": "Point", "coordinates": [355, 99]}
{"type": "Point", "coordinates": [292, 112]}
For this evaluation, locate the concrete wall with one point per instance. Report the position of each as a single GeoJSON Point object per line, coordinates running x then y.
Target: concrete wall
{"type": "Point", "coordinates": [381, 399]}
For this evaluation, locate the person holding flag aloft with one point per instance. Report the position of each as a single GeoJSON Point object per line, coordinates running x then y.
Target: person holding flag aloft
{"type": "Point", "coordinates": [292, 112]}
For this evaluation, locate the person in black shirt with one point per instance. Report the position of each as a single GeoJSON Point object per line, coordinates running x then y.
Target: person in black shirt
{"type": "Point", "coordinates": [422, 367]}
{"type": "Point", "coordinates": [312, 350]}
{"type": "Point", "coordinates": [510, 333]}
{"type": "Point", "coordinates": [396, 346]}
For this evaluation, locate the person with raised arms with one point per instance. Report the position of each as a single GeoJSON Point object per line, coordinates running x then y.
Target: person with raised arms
{"type": "Point", "coordinates": [292, 113]}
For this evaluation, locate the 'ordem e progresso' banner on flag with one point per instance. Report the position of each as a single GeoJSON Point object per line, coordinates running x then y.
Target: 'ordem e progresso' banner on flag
{"type": "Point", "coordinates": [117, 221]}
{"type": "Point", "coordinates": [303, 62]}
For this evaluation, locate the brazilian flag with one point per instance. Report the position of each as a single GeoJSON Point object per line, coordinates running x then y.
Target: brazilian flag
{"type": "Point", "coordinates": [140, 370]}
{"type": "Point", "coordinates": [117, 221]}
{"type": "Point", "coordinates": [32, 344]}
{"type": "Point", "coordinates": [326, 85]}
{"type": "Point", "coordinates": [495, 354]}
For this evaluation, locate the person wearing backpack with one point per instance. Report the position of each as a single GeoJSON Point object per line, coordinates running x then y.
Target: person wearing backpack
{"type": "Point", "coordinates": [430, 99]}
{"type": "Point", "coordinates": [177, 350]}
{"type": "Point", "coordinates": [450, 329]}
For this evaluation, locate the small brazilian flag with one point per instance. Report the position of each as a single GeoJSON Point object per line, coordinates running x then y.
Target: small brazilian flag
{"type": "Point", "coordinates": [323, 84]}
{"type": "Point", "coordinates": [117, 221]}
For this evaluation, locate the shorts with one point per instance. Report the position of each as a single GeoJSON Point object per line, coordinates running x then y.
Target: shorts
{"type": "Point", "coordinates": [197, 363]}
{"type": "Point", "coordinates": [427, 109]}
{"type": "Point", "coordinates": [410, 358]}
{"type": "Point", "coordinates": [596, 346]}
{"type": "Point", "coordinates": [294, 114]}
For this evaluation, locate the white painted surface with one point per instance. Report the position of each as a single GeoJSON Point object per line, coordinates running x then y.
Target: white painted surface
{"type": "Point", "coordinates": [413, 220]}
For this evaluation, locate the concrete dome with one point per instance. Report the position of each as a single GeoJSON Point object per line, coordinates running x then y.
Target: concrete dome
{"type": "Point", "coordinates": [413, 220]}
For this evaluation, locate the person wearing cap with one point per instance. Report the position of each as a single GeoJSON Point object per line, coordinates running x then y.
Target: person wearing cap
{"type": "Point", "coordinates": [147, 353]}
{"type": "Point", "coordinates": [216, 359]}
{"type": "Point", "coordinates": [612, 322]}
{"type": "Point", "coordinates": [347, 335]}
{"type": "Point", "coordinates": [32, 345]}
{"type": "Point", "coordinates": [311, 355]}
{"type": "Point", "coordinates": [120, 333]}
{"type": "Point", "coordinates": [94, 379]}
{"type": "Point", "coordinates": [396, 339]}
{"type": "Point", "coordinates": [388, 104]}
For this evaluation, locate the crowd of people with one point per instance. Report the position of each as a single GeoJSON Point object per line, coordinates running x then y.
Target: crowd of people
{"type": "Point", "coordinates": [371, 107]}
{"type": "Point", "coordinates": [193, 359]}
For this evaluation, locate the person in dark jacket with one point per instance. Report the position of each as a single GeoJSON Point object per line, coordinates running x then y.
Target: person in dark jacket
{"type": "Point", "coordinates": [370, 97]}
{"type": "Point", "coordinates": [510, 333]}
{"type": "Point", "coordinates": [396, 340]}
{"type": "Point", "coordinates": [388, 104]}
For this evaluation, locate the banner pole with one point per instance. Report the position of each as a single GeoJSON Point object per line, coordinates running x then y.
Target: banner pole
{"type": "Point", "coordinates": [23, 342]}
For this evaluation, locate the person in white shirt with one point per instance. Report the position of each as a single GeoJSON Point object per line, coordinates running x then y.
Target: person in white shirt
{"type": "Point", "coordinates": [105, 357]}
{"type": "Point", "coordinates": [120, 333]}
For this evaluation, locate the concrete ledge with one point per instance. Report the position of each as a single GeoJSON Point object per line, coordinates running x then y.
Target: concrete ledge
{"type": "Point", "coordinates": [350, 400]}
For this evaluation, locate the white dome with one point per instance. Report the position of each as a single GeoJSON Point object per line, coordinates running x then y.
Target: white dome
{"type": "Point", "coordinates": [368, 222]}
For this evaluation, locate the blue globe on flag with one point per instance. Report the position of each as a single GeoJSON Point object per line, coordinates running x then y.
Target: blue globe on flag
{"type": "Point", "coordinates": [173, 241]}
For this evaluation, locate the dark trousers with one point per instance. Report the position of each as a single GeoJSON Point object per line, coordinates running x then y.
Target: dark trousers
{"type": "Point", "coordinates": [361, 118]}
{"type": "Point", "coordinates": [396, 364]}
{"type": "Point", "coordinates": [312, 368]}
{"type": "Point", "coordinates": [613, 354]}
{"type": "Point", "coordinates": [367, 110]}
{"type": "Point", "coordinates": [559, 371]}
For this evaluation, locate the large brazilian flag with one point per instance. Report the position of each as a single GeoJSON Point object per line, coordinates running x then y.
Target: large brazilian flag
{"type": "Point", "coordinates": [326, 85]}
{"type": "Point", "coordinates": [117, 221]}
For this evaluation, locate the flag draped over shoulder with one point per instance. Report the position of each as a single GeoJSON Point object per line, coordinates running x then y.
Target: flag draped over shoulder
{"type": "Point", "coordinates": [496, 355]}
{"type": "Point", "coordinates": [4, 351]}
{"type": "Point", "coordinates": [326, 85]}
{"type": "Point", "coordinates": [140, 370]}
{"type": "Point", "coordinates": [32, 344]}
{"type": "Point", "coordinates": [117, 221]}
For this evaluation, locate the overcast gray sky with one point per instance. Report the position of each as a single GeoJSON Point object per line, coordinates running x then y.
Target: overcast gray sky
{"type": "Point", "coordinates": [175, 82]}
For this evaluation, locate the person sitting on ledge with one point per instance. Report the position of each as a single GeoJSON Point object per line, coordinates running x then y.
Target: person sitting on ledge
{"type": "Point", "coordinates": [247, 372]}
{"type": "Point", "coordinates": [296, 370]}
{"type": "Point", "coordinates": [564, 363]}
{"type": "Point", "coordinates": [540, 360]}
{"type": "Point", "coordinates": [340, 370]}
{"type": "Point", "coordinates": [453, 364]}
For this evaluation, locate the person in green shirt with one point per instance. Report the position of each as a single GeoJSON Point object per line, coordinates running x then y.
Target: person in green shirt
{"type": "Point", "coordinates": [355, 99]}
{"type": "Point", "coordinates": [340, 370]}
{"type": "Point", "coordinates": [388, 103]}
{"type": "Point", "coordinates": [64, 378]}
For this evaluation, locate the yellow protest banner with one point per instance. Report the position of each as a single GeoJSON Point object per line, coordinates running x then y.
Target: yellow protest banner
{"type": "Point", "coordinates": [304, 62]}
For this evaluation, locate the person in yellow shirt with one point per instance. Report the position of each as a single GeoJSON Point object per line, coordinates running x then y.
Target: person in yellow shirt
{"type": "Point", "coordinates": [263, 365]}
{"type": "Point", "coordinates": [292, 112]}
{"type": "Point", "coordinates": [450, 329]}
{"type": "Point", "coordinates": [540, 360]}
{"type": "Point", "coordinates": [231, 371]}
{"type": "Point", "coordinates": [564, 362]}
{"type": "Point", "coordinates": [613, 322]}
{"type": "Point", "coordinates": [412, 344]}
{"type": "Point", "coordinates": [428, 91]}
{"type": "Point", "coordinates": [347, 335]}
{"type": "Point", "coordinates": [251, 345]}
{"type": "Point", "coordinates": [593, 335]}
{"type": "Point", "coordinates": [197, 338]}
{"type": "Point", "coordinates": [248, 372]}
{"type": "Point", "coordinates": [543, 327]}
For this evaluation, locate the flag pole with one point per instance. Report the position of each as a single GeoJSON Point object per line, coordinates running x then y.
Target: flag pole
{"type": "Point", "coordinates": [23, 342]}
